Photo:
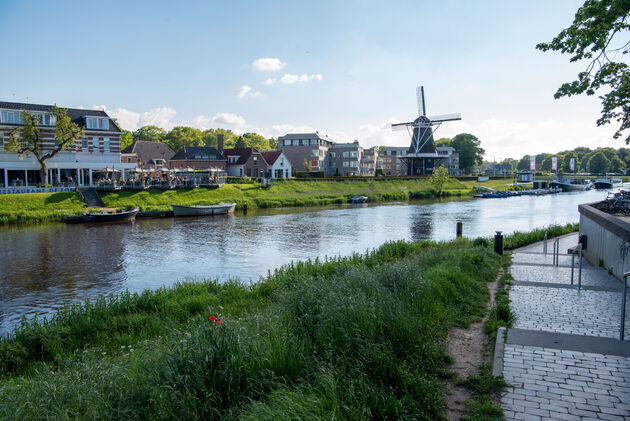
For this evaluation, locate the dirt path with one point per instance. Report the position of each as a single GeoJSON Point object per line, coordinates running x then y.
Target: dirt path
{"type": "Point", "coordinates": [468, 349]}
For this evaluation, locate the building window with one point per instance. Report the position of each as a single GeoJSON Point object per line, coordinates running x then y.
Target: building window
{"type": "Point", "coordinates": [106, 145]}
{"type": "Point", "coordinates": [313, 142]}
{"type": "Point", "coordinates": [12, 117]}
{"type": "Point", "coordinates": [84, 143]}
{"type": "Point", "coordinates": [128, 159]}
{"type": "Point", "coordinates": [346, 154]}
{"type": "Point", "coordinates": [255, 160]}
{"type": "Point", "coordinates": [249, 172]}
{"type": "Point", "coordinates": [296, 142]}
{"type": "Point", "coordinates": [354, 154]}
{"type": "Point", "coordinates": [97, 123]}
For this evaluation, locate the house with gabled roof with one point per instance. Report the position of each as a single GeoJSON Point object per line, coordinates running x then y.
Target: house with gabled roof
{"type": "Point", "coordinates": [245, 162]}
{"type": "Point", "coordinates": [96, 151]}
{"type": "Point", "coordinates": [198, 158]}
{"type": "Point", "coordinates": [278, 165]}
{"type": "Point", "coordinates": [147, 155]}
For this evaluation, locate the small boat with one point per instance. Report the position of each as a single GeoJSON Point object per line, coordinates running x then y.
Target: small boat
{"type": "Point", "coordinates": [607, 182]}
{"type": "Point", "coordinates": [572, 184]}
{"type": "Point", "coordinates": [221, 208]}
{"type": "Point", "coordinates": [97, 217]}
{"type": "Point", "coordinates": [358, 199]}
{"type": "Point", "coordinates": [500, 194]}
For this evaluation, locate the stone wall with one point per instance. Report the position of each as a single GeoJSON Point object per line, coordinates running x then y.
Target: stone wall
{"type": "Point", "coordinates": [605, 235]}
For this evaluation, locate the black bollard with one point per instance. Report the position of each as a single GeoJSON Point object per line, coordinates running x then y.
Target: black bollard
{"type": "Point", "coordinates": [498, 243]}
{"type": "Point", "coordinates": [244, 207]}
{"type": "Point", "coordinates": [459, 229]}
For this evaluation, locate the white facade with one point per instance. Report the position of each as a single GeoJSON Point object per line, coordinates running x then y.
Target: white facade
{"type": "Point", "coordinates": [282, 168]}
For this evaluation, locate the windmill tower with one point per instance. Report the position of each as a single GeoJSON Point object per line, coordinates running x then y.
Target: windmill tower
{"type": "Point", "coordinates": [422, 156]}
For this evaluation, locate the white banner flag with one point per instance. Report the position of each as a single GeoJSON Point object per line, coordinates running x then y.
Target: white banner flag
{"type": "Point", "coordinates": [532, 163]}
{"type": "Point", "coordinates": [554, 163]}
{"type": "Point", "coordinates": [572, 164]}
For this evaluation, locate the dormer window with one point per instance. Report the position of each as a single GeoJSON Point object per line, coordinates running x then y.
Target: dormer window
{"type": "Point", "coordinates": [11, 117]}
{"type": "Point", "coordinates": [97, 123]}
{"type": "Point", "coordinates": [233, 159]}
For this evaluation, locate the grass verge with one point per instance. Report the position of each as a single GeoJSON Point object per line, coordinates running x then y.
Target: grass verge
{"type": "Point", "coordinates": [351, 338]}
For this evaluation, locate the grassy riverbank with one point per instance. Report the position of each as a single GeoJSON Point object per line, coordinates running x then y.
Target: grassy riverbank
{"type": "Point", "coordinates": [349, 338]}
{"type": "Point", "coordinates": [34, 207]}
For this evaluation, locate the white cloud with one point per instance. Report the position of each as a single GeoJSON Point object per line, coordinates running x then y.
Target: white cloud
{"type": "Point", "coordinates": [242, 91]}
{"type": "Point", "coordinates": [270, 81]}
{"type": "Point", "coordinates": [221, 120]}
{"type": "Point", "coordinates": [282, 129]}
{"type": "Point", "coordinates": [131, 120]}
{"type": "Point", "coordinates": [290, 79]}
{"type": "Point", "coordinates": [268, 64]}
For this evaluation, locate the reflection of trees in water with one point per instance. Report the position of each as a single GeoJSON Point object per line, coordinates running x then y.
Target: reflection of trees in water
{"type": "Point", "coordinates": [421, 224]}
{"type": "Point", "coordinates": [64, 260]}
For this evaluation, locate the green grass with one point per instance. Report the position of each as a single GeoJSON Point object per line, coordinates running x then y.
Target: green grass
{"type": "Point", "coordinates": [282, 193]}
{"type": "Point", "coordinates": [38, 207]}
{"type": "Point", "coordinates": [520, 239]}
{"type": "Point", "coordinates": [347, 338]}
{"type": "Point", "coordinates": [485, 388]}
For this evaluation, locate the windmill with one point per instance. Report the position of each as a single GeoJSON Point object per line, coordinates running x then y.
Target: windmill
{"type": "Point", "coordinates": [422, 155]}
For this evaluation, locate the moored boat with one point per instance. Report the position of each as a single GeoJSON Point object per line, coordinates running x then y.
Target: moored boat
{"type": "Point", "coordinates": [97, 217]}
{"type": "Point", "coordinates": [572, 184]}
{"type": "Point", "coordinates": [221, 208]}
{"type": "Point", "coordinates": [607, 182]}
{"type": "Point", "coordinates": [358, 199]}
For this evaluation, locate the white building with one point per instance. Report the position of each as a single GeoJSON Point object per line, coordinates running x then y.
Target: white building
{"type": "Point", "coordinates": [92, 156]}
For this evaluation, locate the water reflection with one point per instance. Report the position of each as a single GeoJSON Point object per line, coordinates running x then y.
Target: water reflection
{"type": "Point", "coordinates": [43, 267]}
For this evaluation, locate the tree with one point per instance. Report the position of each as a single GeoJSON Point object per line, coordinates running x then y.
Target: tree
{"type": "Point", "coordinates": [438, 178]}
{"type": "Point", "coordinates": [617, 165]}
{"type": "Point", "coordinates": [149, 134]}
{"type": "Point", "coordinates": [598, 163]}
{"type": "Point", "coordinates": [523, 164]}
{"type": "Point", "coordinates": [27, 140]}
{"type": "Point", "coordinates": [181, 136]}
{"type": "Point", "coordinates": [470, 153]}
{"type": "Point", "coordinates": [597, 25]}
{"type": "Point", "coordinates": [240, 143]}
{"type": "Point", "coordinates": [126, 139]}
{"type": "Point", "coordinates": [444, 141]}
{"type": "Point", "coordinates": [307, 165]}
{"type": "Point", "coordinates": [256, 141]}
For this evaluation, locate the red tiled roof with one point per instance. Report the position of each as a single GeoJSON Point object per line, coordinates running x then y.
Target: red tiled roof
{"type": "Point", "coordinates": [271, 156]}
{"type": "Point", "coordinates": [242, 153]}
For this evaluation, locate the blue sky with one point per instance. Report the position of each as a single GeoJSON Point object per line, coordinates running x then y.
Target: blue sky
{"type": "Point", "coordinates": [347, 69]}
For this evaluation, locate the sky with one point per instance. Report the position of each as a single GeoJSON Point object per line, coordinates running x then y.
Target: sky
{"type": "Point", "coordinates": [347, 69]}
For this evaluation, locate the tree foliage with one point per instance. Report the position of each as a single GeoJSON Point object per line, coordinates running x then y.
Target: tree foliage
{"type": "Point", "coordinates": [438, 178]}
{"type": "Point", "coordinates": [595, 36]}
{"type": "Point", "coordinates": [149, 134]}
{"type": "Point", "coordinates": [27, 139]}
{"type": "Point", "coordinates": [126, 139]}
{"type": "Point", "coordinates": [598, 163]}
{"type": "Point", "coordinates": [470, 153]}
{"type": "Point", "coordinates": [444, 141]}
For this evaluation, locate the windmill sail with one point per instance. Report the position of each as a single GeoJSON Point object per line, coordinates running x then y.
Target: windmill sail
{"type": "Point", "coordinates": [420, 95]}
{"type": "Point", "coordinates": [445, 117]}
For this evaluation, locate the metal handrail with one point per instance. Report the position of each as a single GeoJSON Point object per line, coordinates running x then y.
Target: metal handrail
{"type": "Point", "coordinates": [556, 251]}
{"type": "Point", "coordinates": [622, 325]}
{"type": "Point", "coordinates": [545, 244]}
{"type": "Point", "coordinates": [580, 270]}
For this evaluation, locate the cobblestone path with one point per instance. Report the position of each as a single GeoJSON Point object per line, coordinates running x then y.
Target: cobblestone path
{"type": "Point", "coordinates": [563, 359]}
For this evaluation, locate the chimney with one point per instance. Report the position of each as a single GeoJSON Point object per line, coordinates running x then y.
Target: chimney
{"type": "Point", "coordinates": [220, 143]}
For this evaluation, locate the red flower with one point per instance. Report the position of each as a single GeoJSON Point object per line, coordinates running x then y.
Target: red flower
{"type": "Point", "coordinates": [211, 318]}
{"type": "Point", "coordinates": [220, 321]}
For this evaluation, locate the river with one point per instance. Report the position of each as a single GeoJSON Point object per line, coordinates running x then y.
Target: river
{"type": "Point", "coordinates": [43, 267]}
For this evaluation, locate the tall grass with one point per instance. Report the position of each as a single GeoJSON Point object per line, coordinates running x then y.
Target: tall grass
{"type": "Point", "coordinates": [359, 337]}
{"type": "Point", "coordinates": [520, 239]}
